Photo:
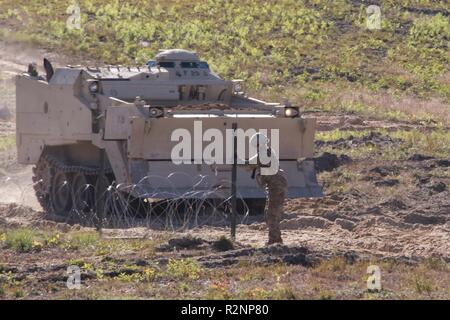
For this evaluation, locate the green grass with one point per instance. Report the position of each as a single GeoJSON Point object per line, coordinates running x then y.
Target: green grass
{"type": "Point", "coordinates": [7, 142]}
{"type": "Point", "coordinates": [421, 284]}
{"type": "Point", "coordinates": [184, 268]}
{"type": "Point", "coordinates": [334, 278]}
{"type": "Point", "coordinates": [432, 32]}
{"type": "Point", "coordinates": [335, 264]}
{"type": "Point", "coordinates": [21, 240]}
{"type": "Point", "coordinates": [316, 52]}
{"type": "Point", "coordinates": [428, 142]}
{"type": "Point", "coordinates": [26, 240]}
{"type": "Point", "coordinates": [434, 143]}
{"type": "Point", "coordinates": [18, 294]}
{"type": "Point", "coordinates": [81, 240]}
{"type": "Point", "coordinates": [7, 90]}
{"type": "Point", "coordinates": [337, 134]}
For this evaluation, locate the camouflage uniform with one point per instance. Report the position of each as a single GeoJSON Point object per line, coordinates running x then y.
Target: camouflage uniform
{"type": "Point", "coordinates": [276, 189]}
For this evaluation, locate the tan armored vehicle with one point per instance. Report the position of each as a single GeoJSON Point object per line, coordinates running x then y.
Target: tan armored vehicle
{"type": "Point", "coordinates": [71, 118]}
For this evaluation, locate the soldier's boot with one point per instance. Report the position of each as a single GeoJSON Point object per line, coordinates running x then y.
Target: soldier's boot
{"type": "Point", "coordinates": [274, 237]}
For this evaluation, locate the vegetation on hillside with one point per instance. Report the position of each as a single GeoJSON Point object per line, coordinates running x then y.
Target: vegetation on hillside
{"type": "Point", "coordinates": [317, 52]}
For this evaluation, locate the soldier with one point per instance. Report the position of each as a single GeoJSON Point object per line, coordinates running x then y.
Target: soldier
{"type": "Point", "coordinates": [32, 70]}
{"type": "Point", "coordinates": [274, 184]}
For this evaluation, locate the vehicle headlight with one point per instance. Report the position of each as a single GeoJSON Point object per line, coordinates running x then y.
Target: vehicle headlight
{"type": "Point", "coordinates": [291, 112]}
{"type": "Point", "coordinates": [93, 87]}
{"type": "Point", "coordinates": [238, 86]}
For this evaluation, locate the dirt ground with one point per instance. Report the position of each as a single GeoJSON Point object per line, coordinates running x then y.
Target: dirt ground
{"type": "Point", "coordinates": [373, 210]}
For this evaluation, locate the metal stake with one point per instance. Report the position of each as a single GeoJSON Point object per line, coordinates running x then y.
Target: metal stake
{"type": "Point", "coordinates": [100, 192]}
{"type": "Point", "coordinates": [233, 184]}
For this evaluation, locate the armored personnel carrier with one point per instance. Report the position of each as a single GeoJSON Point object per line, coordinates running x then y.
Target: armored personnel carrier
{"type": "Point", "coordinates": [86, 128]}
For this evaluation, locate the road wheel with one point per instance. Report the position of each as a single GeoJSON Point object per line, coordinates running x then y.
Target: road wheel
{"type": "Point", "coordinates": [83, 193]}
{"type": "Point", "coordinates": [60, 193]}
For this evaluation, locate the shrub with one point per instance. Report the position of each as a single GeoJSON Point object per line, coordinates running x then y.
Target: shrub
{"type": "Point", "coordinates": [184, 268]}
{"type": "Point", "coordinates": [20, 240]}
{"type": "Point", "coordinates": [81, 240]}
{"type": "Point", "coordinates": [431, 32]}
